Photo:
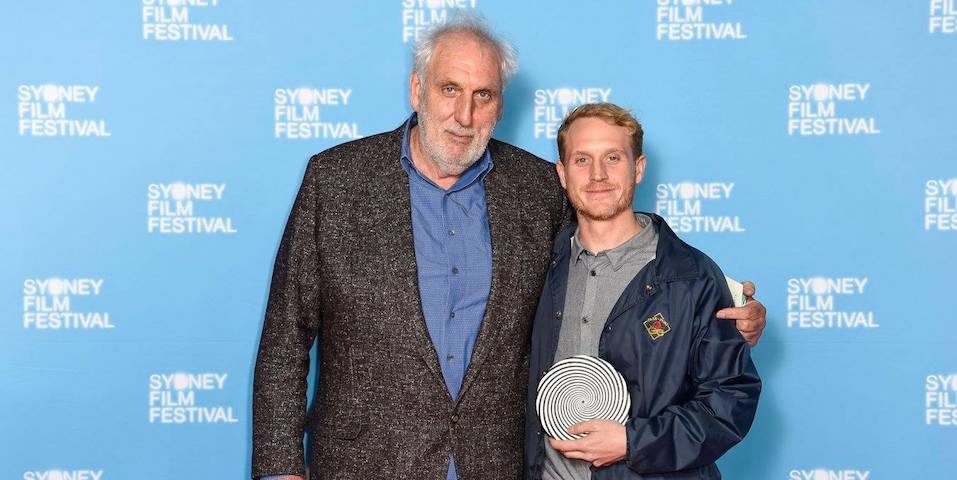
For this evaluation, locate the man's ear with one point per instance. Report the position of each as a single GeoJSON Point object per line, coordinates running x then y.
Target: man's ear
{"type": "Point", "coordinates": [560, 168]}
{"type": "Point", "coordinates": [415, 86]}
{"type": "Point", "coordinates": [640, 168]}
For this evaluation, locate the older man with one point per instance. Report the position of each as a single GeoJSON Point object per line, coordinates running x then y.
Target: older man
{"type": "Point", "coordinates": [416, 258]}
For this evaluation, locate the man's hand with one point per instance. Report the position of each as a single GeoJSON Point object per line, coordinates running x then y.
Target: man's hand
{"type": "Point", "coordinates": [604, 444]}
{"type": "Point", "coordinates": [750, 318]}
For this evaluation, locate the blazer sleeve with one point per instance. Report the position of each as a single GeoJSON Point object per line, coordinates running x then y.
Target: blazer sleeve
{"type": "Point", "coordinates": [726, 389]}
{"type": "Point", "coordinates": [291, 322]}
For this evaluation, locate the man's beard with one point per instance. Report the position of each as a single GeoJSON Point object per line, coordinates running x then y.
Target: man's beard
{"type": "Point", "coordinates": [603, 213]}
{"type": "Point", "coordinates": [447, 163]}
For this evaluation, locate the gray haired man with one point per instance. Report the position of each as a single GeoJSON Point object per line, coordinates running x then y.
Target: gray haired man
{"type": "Point", "coordinates": [415, 258]}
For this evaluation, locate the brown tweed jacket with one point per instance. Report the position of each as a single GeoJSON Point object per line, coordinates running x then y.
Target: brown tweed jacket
{"type": "Point", "coordinates": [346, 272]}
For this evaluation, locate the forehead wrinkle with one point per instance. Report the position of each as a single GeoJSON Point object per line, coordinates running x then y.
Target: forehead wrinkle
{"type": "Point", "coordinates": [457, 52]}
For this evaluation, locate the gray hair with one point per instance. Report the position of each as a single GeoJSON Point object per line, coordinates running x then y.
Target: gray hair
{"type": "Point", "coordinates": [472, 25]}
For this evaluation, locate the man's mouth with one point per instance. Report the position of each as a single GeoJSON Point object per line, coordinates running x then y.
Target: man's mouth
{"type": "Point", "coordinates": [463, 139]}
{"type": "Point", "coordinates": [599, 191]}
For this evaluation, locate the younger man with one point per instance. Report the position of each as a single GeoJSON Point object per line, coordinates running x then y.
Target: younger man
{"type": "Point", "coordinates": [622, 286]}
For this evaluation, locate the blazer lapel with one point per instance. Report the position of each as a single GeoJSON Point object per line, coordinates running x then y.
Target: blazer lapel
{"type": "Point", "coordinates": [501, 219]}
{"type": "Point", "coordinates": [394, 231]}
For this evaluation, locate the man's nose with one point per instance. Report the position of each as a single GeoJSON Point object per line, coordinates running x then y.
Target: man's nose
{"type": "Point", "coordinates": [598, 171]}
{"type": "Point", "coordinates": [463, 110]}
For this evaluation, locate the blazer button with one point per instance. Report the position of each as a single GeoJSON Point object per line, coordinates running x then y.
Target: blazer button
{"type": "Point", "coordinates": [455, 418]}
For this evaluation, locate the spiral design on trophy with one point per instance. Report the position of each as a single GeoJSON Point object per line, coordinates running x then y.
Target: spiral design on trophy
{"type": "Point", "coordinates": [578, 389]}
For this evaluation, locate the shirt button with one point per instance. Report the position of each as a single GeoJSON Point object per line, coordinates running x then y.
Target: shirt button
{"type": "Point", "coordinates": [450, 357]}
{"type": "Point", "coordinates": [558, 314]}
{"type": "Point", "coordinates": [455, 270]}
{"type": "Point", "coordinates": [593, 273]}
{"type": "Point", "coordinates": [584, 319]}
{"type": "Point", "coordinates": [452, 233]}
{"type": "Point", "coordinates": [452, 315]}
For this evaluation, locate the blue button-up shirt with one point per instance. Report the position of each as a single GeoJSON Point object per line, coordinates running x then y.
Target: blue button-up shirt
{"type": "Point", "coordinates": [453, 254]}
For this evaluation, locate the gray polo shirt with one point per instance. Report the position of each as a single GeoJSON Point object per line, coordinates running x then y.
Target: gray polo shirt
{"type": "Point", "coordinates": [595, 282]}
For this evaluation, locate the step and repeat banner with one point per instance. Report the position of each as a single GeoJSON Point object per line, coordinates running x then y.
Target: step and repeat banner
{"type": "Point", "coordinates": [151, 151]}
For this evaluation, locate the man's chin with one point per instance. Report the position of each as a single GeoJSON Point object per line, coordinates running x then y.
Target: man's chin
{"type": "Point", "coordinates": [455, 167]}
{"type": "Point", "coordinates": [598, 214]}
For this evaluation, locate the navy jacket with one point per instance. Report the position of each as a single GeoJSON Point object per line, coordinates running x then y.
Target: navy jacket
{"type": "Point", "coordinates": [694, 390]}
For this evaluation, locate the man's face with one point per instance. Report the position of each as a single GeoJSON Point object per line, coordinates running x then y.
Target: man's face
{"type": "Point", "coordinates": [459, 101]}
{"type": "Point", "coordinates": [600, 170]}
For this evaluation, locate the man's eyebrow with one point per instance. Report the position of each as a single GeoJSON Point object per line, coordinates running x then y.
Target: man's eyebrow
{"type": "Point", "coordinates": [444, 81]}
{"type": "Point", "coordinates": [606, 152]}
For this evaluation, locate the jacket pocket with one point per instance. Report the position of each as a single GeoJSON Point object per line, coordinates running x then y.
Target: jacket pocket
{"type": "Point", "coordinates": [338, 413]}
{"type": "Point", "coordinates": [343, 426]}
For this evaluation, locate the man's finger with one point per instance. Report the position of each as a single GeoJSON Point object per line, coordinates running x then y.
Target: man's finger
{"type": "Point", "coordinates": [751, 338]}
{"type": "Point", "coordinates": [564, 445]}
{"type": "Point", "coordinates": [582, 427]}
{"type": "Point", "coordinates": [756, 309]}
{"type": "Point", "coordinates": [752, 310]}
{"type": "Point", "coordinates": [734, 313]}
{"type": "Point", "coordinates": [749, 288]}
{"type": "Point", "coordinates": [748, 326]}
{"type": "Point", "coordinates": [577, 454]}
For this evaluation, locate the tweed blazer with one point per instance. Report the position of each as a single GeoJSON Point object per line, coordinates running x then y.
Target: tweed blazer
{"type": "Point", "coordinates": [346, 272]}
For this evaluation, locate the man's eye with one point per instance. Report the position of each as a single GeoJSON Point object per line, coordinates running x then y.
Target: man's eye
{"type": "Point", "coordinates": [484, 95]}
{"type": "Point", "coordinates": [613, 158]}
{"type": "Point", "coordinates": [581, 160]}
{"type": "Point", "coordinates": [448, 90]}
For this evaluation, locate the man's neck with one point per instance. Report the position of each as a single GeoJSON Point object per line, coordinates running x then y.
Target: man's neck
{"type": "Point", "coordinates": [600, 235]}
{"type": "Point", "coordinates": [426, 167]}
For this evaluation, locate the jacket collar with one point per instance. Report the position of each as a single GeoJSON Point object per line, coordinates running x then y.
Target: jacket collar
{"type": "Point", "coordinates": [674, 259]}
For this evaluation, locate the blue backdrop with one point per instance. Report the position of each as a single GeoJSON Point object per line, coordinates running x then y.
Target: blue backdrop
{"type": "Point", "coordinates": [151, 150]}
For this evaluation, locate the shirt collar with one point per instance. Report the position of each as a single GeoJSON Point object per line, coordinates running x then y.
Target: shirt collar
{"type": "Point", "coordinates": [474, 173]}
{"type": "Point", "coordinates": [618, 255]}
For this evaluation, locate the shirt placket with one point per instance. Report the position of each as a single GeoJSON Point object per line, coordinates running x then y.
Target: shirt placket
{"type": "Point", "coordinates": [588, 300]}
{"type": "Point", "coordinates": [453, 355]}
